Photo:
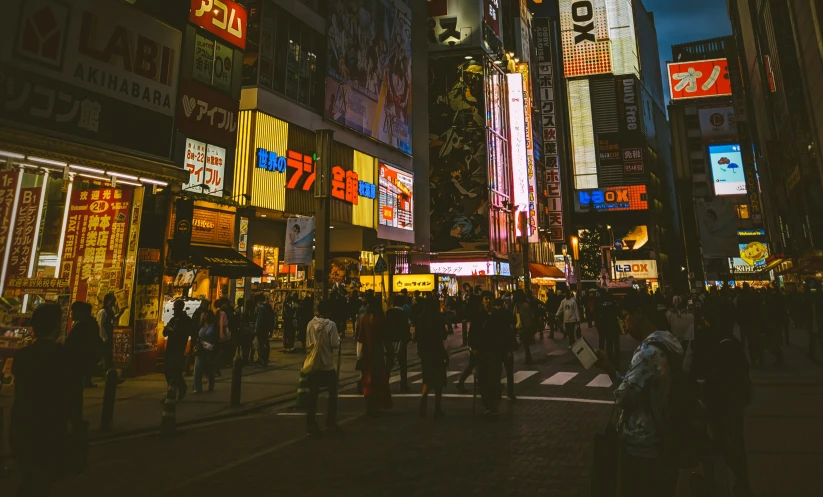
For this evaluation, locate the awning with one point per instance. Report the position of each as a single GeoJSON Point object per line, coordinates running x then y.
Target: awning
{"type": "Point", "coordinates": [223, 261]}
{"type": "Point", "coordinates": [544, 271]}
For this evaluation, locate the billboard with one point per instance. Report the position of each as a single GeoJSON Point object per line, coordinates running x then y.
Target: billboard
{"type": "Point", "coordinates": [717, 123]}
{"type": "Point", "coordinates": [299, 240]}
{"type": "Point", "coordinates": [523, 69]}
{"type": "Point", "coordinates": [699, 79]}
{"type": "Point", "coordinates": [368, 87]}
{"type": "Point", "coordinates": [612, 198]}
{"type": "Point", "coordinates": [582, 129]}
{"type": "Point", "coordinates": [754, 253]}
{"type": "Point", "coordinates": [584, 32]}
{"type": "Point", "coordinates": [464, 23]}
{"type": "Point", "coordinates": [517, 141]}
{"type": "Point", "coordinates": [395, 204]}
{"type": "Point", "coordinates": [717, 223]}
{"type": "Point", "coordinates": [727, 170]}
{"type": "Point", "coordinates": [640, 270]}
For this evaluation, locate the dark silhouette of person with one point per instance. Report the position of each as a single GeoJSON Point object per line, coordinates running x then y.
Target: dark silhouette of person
{"type": "Point", "coordinates": [83, 343]}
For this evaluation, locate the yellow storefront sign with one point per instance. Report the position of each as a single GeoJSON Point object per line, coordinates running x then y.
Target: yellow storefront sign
{"type": "Point", "coordinates": [413, 282]}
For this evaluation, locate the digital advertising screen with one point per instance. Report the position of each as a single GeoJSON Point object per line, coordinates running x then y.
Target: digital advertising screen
{"type": "Point", "coordinates": [612, 198]}
{"type": "Point", "coordinates": [395, 203]}
{"type": "Point", "coordinates": [727, 169]}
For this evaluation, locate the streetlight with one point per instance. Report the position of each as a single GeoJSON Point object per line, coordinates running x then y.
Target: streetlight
{"type": "Point", "coordinates": [576, 252]}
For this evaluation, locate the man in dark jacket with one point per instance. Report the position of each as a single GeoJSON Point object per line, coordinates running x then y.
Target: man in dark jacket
{"type": "Point", "coordinates": [263, 327]}
{"type": "Point", "coordinates": [83, 344]}
{"type": "Point", "coordinates": [606, 316]}
{"type": "Point", "coordinates": [490, 342]}
{"type": "Point", "coordinates": [177, 333]}
{"type": "Point", "coordinates": [399, 334]}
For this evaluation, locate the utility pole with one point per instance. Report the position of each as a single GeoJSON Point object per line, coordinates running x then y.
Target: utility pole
{"type": "Point", "coordinates": [322, 212]}
{"type": "Point", "coordinates": [524, 244]}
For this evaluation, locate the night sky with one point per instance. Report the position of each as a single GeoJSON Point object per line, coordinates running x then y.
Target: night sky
{"type": "Point", "coordinates": [680, 21]}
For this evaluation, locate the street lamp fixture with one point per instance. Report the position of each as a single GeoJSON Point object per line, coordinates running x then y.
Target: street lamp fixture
{"type": "Point", "coordinates": [576, 247]}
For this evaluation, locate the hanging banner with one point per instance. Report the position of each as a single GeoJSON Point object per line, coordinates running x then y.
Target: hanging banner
{"type": "Point", "coordinates": [95, 242]}
{"type": "Point", "coordinates": [181, 237]}
{"type": "Point", "coordinates": [8, 185]}
{"type": "Point", "coordinates": [25, 230]}
{"type": "Point", "coordinates": [299, 241]}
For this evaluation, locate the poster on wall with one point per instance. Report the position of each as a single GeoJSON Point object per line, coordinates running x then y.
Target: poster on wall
{"type": "Point", "coordinates": [718, 227]}
{"type": "Point", "coordinates": [8, 185]}
{"type": "Point", "coordinates": [95, 243]}
{"type": "Point", "coordinates": [299, 241]}
{"type": "Point", "coordinates": [206, 165]}
{"type": "Point", "coordinates": [727, 169]}
{"type": "Point", "coordinates": [458, 175]}
{"type": "Point", "coordinates": [395, 204]}
{"type": "Point", "coordinates": [25, 230]}
{"type": "Point", "coordinates": [368, 87]}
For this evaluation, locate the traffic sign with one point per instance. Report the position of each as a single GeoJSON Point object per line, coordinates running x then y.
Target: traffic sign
{"type": "Point", "coordinates": [380, 266]}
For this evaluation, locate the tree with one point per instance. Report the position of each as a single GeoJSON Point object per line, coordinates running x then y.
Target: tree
{"type": "Point", "coordinates": [590, 242]}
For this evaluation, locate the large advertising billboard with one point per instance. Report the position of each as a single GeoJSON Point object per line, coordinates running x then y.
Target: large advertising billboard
{"type": "Point", "coordinates": [718, 227]}
{"type": "Point", "coordinates": [584, 32]}
{"type": "Point", "coordinates": [517, 141]}
{"type": "Point", "coordinates": [368, 87]}
{"type": "Point", "coordinates": [610, 199]}
{"type": "Point", "coordinates": [727, 170]}
{"type": "Point", "coordinates": [395, 204]}
{"type": "Point", "coordinates": [699, 79]}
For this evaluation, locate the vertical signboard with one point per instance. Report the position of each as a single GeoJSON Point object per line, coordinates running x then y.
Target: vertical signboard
{"type": "Point", "coordinates": [585, 35]}
{"type": "Point", "coordinates": [523, 69]}
{"type": "Point", "coordinates": [517, 139]}
{"type": "Point", "coordinates": [224, 18]}
{"type": "Point", "coordinates": [8, 185]}
{"type": "Point", "coordinates": [25, 230]}
{"type": "Point", "coordinates": [548, 115]}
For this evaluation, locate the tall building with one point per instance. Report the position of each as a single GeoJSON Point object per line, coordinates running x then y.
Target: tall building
{"type": "Point", "coordinates": [724, 235]}
{"type": "Point", "coordinates": [619, 165]}
{"type": "Point", "coordinates": [779, 55]}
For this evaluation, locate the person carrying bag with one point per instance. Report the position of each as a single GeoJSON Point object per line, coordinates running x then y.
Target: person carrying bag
{"type": "Point", "coordinates": [319, 366]}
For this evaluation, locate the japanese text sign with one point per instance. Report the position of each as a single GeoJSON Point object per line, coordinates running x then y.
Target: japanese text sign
{"type": "Point", "coordinates": [38, 285]}
{"type": "Point", "coordinates": [206, 165]}
{"type": "Point", "coordinates": [413, 282]}
{"type": "Point", "coordinates": [224, 18]}
{"type": "Point", "coordinates": [24, 233]}
{"type": "Point", "coordinates": [208, 114]}
{"type": "Point", "coordinates": [346, 186]}
{"type": "Point", "coordinates": [8, 185]}
{"type": "Point", "coordinates": [704, 78]}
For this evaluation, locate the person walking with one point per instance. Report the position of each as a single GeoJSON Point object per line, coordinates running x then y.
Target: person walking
{"type": "Point", "coordinates": [107, 318]}
{"type": "Point", "coordinates": [489, 340]}
{"type": "Point", "coordinates": [83, 343]}
{"type": "Point", "coordinates": [399, 335]}
{"type": "Point", "coordinates": [223, 346]}
{"type": "Point", "coordinates": [305, 313]}
{"type": "Point", "coordinates": [524, 322]}
{"type": "Point", "coordinates": [569, 312]}
{"type": "Point", "coordinates": [508, 359]}
{"type": "Point", "coordinates": [431, 333]}
{"type": "Point", "coordinates": [750, 319]}
{"type": "Point", "coordinates": [606, 318]}
{"type": "Point", "coordinates": [197, 319]}
{"type": "Point", "coordinates": [322, 339]}
{"type": "Point", "coordinates": [264, 324]}
{"type": "Point", "coordinates": [289, 325]}
{"type": "Point", "coordinates": [204, 362]}
{"type": "Point", "coordinates": [371, 354]}
{"type": "Point", "coordinates": [642, 394]}
{"type": "Point", "coordinates": [177, 332]}
{"type": "Point", "coordinates": [47, 406]}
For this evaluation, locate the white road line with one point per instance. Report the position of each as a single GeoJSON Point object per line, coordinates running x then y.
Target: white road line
{"type": "Point", "coordinates": [520, 376]}
{"type": "Point", "coordinates": [467, 396]}
{"type": "Point", "coordinates": [294, 413]}
{"type": "Point", "coordinates": [558, 352]}
{"type": "Point", "coordinates": [449, 374]}
{"type": "Point", "coordinates": [601, 380]}
{"type": "Point", "coordinates": [559, 379]}
{"type": "Point", "coordinates": [396, 378]}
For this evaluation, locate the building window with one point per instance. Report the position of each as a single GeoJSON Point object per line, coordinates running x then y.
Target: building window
{"type": "Point", "coordinates": [742, 211]}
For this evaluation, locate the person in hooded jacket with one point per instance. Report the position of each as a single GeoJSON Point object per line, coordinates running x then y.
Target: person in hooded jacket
{"type": "Point", "coordinates": [569, 311]}
{"type": "Point", "coordinates": [320, 366]}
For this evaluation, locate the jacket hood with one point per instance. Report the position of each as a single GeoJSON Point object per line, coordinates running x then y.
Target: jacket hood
{"type": "Point", "coordinates": [666, 341]}
{"type": "Point", "coordinates": [322, 322]}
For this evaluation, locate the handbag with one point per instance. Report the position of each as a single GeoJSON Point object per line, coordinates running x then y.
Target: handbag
{"type": "Point", "coordinates": [311, 358]}
{"type": "Point", "coordinates": [604, 464]}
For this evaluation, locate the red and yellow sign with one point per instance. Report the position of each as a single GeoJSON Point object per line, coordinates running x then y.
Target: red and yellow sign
{"type": "Point", "coordinates": [225, 18]}
{"type": "Point", "coordinates": [38, 285]}
{"type": "Point", "coordinates": [699, 79]}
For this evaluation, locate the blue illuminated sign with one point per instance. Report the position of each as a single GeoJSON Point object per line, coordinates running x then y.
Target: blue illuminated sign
{"type": "Point", "coordinates": [367, 190]}
{"type": "Point", "coordinates": [270, 161]}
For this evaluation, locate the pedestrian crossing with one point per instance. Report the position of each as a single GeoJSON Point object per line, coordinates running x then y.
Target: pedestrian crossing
{"type": "Point", "coordinates": [558, 379]}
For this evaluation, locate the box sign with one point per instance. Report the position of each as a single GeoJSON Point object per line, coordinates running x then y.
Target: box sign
{"type": "Point", "coordinates": [472, 268]}
{"type": "Point", "coordinates": [206, 165]}
{"type": "Point", "coordinates": [615, 198]}
{"type": "Point", "coordinates": [699, 79]}
{"type": "Point", "coordinates": [413, 282]}
{"type": "Point", "coordinates": [639, 270]}
{"type": "Point", "coordinates": [396, 201]}
{"type": "Point", "coordinates": [224, 18]}
{"type": "Point", "coordinates": [584, 32]}
{"type": "Point", "coordinates": [346, 186]}
{"type": "Point", "coordinates": [727, 169]}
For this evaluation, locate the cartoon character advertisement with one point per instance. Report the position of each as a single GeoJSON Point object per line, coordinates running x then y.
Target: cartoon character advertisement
{"type": "Point", "coordinates": [457, 152]}
{"type": "Point", "coordinates": [368, 87]}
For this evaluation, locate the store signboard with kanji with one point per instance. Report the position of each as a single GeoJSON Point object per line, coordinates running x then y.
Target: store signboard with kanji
{"type": "Point", "coordinates": [224, 18]}
{"type": "Point", "coordinates": [206, 165]}
{"type": "Point", "coordinates": [23, 233]}
{"type": "Point", "coordinates": [95, 242]}
{"type": "Point", "coordinates": [207, 114]}
{"type": "Point", "coordinates": [346, 186]}
{"type": "Point", "coordinates": [8, 187]}
{"type": "Point", "coordinates": [699, 79]}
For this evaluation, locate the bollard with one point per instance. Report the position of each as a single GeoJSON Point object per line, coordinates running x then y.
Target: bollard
{"type": "Point", "coordinates": [108, 400]}
{"type": "Point", "coordinates": [236, 376]}
{"type": "Point", "coordinates": [168, 424]}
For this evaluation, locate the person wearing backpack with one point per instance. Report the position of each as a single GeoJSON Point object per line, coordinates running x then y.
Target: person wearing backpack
{"type": "Point", "coordinates": [648, 404]}
{"type": "Point", "coordinates": [319, 366]}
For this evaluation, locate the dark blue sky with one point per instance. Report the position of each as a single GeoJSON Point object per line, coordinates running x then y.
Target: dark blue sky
{"type": "Point", "coordinates": [680, 21]}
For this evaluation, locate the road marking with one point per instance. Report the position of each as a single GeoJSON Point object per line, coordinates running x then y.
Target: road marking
{"type": "Point", "coordinates": [520, 376]}
{"type": "Point", "coordinates": [294, 413]}
{"type": "Point", "coordinates": [449, 374]}
{"type": "Point", "coordinates": [467, 396]}
{"type": "Point", "coordinates": [558, 352]}
{"type": "Point", "coordinates": [601, 380]}
{"type": "Point", "coordinates": [559, 379]}
{"type": "Point", "coordinates": [396, 378]}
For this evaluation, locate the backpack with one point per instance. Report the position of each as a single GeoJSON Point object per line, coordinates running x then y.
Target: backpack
{"type": "Point", "coordinates": [683, 430]}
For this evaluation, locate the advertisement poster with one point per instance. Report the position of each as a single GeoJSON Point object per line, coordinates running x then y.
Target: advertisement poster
{"type": "Point", "coordinates": [612, 198]}
{"type": "Point", "coordinates": [718, 227]}
{"type": "Point", "coordinates": [95, 242]}
{"type": "Point", "coordinates": [754, 253]}
{"type": "Point", "coordinates": [717, 123]}
{"type": "Point", "coordinates": [299, 241]}
{"type": "Point", "coordinates": [727, 170]}
{"type": "Point", "coordinates": [24, 233]}
{"type": "Point", "coordinates": [206, 165]}
{"type": "Point", "coordinates": [8, 185]}
{"type": "Point", "coordinates": [396, 198]}
{"type": "Point", "coordinates": [223, 62]}
{"type": "Point", "coordinates": [147, 312]}
{"type": "Point", "coordinates": [203, 59]}
{"type": "Point", "coordinates": [458, 171]}
{"type": "Point", "coordinates": [368, 87]}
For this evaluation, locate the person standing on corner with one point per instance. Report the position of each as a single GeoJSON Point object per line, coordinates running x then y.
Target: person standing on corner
{"type": "Point", "coordinates": [371, 353]}
{"type": "Point", "coordinates": [320, 366]}
{"type": "Point", "coordinates": [107, 318]}
{"type": "Point", "coordinates": [431, 333]}
{"type": "Point", "coordinates": [400, 335]}
{"type": "Point", "coordinates": [570, 314]}
{"type": "Point", "coordinates": [177, 332]}
{"type": "Point", "coordinates": [489, 341]}
{"type": "Point", "coordinates": [508, 360]}
{"type": "Point", "coordinates": [204, 362]}
{"type": "Point", "coordinates": [264, 324]}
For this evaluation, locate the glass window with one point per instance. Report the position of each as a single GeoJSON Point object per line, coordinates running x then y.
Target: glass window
{"type": "Point", "coordinates": [281, 48]}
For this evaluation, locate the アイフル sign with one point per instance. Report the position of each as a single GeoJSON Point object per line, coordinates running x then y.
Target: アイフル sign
{"type": "Point", "coordinates": [208, 114]}
{"type": "Point", "coordinates": [224, 18]}
{"type": "Point", "coordinates": [206, 165]}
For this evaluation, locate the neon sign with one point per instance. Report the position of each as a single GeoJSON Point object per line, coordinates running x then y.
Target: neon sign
{"type": "Point", "coordinates": [616, 198]}
{"type": "Point", "coordinates": [346, 186]}
{"type": "Point", "coordinates": [301, 167]}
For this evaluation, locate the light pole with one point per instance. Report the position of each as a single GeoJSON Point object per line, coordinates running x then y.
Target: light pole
{"type": "Point", "coordinates": [576, 253]}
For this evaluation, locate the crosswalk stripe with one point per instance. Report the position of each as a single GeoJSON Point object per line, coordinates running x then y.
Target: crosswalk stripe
{"type": "Point", "coordinates": [448, 375]}
{"type": "Point", "coordinates": [396, 378]}
{"type": "Point", "coordinates": [559, 379]}
{"type": "Point", "coordinates": [601, 380]}
{"type": "Point", "coordinates": [558, 352]}
{"type": "Point", "coordinates": [520, 376]}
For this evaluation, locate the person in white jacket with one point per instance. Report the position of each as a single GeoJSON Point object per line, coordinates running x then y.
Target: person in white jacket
{"type": "Point", "coordinates": [320, 366]}
{"type": "Point", "coordinates": [570, 312]}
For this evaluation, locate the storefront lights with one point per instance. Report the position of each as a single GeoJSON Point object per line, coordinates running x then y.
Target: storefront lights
{"type": "Point", "coordinates": [153, 182]}
{"type": "Point", "coordinates": [86, 169]}
{"type": "Point", "coordinates": [47, 161]}
{"type": "Point", "coordinates": [121, 175]}
{"type": "Point", "coordinates": [11, 155]}
{"type": "Point", "coordinates": [130, 183]}
{"type": "Point", "coordinates": [91, 176]}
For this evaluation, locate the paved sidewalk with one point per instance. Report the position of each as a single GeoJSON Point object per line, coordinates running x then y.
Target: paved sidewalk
{"type": "Point", "coordinates": [138, 402]}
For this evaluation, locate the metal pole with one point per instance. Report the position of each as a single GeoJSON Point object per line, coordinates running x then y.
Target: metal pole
{"type": "Point", "coordinates": [322, 191]}
{"type": "Point", "coordinates": [524, 244]}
